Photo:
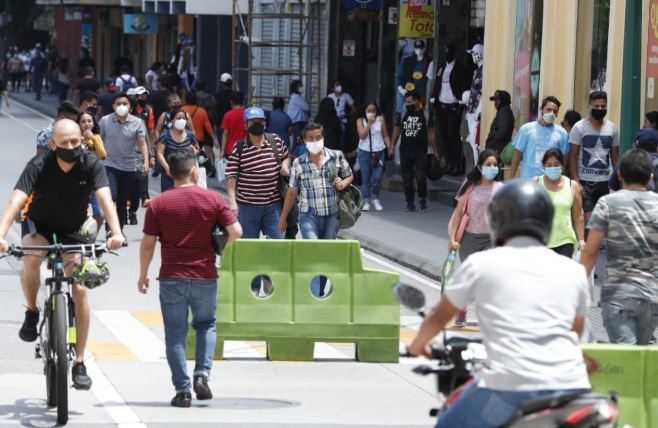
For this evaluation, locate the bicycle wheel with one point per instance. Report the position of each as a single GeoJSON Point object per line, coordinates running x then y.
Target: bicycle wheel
{"type": "Point", "coordinates": [49, 361]}
{"type": "Point", "coordinates": [60, 313]}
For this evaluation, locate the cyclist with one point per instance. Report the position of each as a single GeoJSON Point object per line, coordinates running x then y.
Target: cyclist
{"type": "Point", "coordinates": [531, 303]}
{"type": "Point", "coordinates": [54, 191]}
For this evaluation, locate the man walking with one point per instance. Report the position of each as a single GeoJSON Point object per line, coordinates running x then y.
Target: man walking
{"type": "Point", "coordinates": [121, 132]}
{"type": "Point", "coordinates": [502, 127]}
{"type": "Point", "coordinates": [594, 151]}
{"type": "Point", "coordinates": [38, 68]}
{"type": "Point", "coordinates": [535, 138]}
{"type": "Point", "coordinates": [252, 174]}
{"type": "Point", "coordinates": [628, 221]}
{"type": "Point", "coordinates": [182, 219]}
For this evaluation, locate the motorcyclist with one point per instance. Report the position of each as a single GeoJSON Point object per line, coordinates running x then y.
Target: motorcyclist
{"type": "Point", "coordinates": [531, 304]}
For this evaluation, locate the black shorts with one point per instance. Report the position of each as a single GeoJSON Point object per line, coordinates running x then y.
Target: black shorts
{"type": "Point", "coordinates": [592, 192]}
{"type": "Point", "coordinates": [29, 227]}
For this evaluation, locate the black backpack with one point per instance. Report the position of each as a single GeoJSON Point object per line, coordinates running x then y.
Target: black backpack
{"type": "Point", "coordinates": [127, 83]}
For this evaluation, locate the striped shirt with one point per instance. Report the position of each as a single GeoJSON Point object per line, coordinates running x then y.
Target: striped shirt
{"type": "Point", "coordinates": [256, 171]}
{"type": "Point", "coordinates": [316, 184]}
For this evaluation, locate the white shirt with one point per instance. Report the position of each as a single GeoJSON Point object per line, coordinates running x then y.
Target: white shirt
{"type": "Point", "coordinates": [155, 85]}
{"type": "Point", "coordinates": [376, 135]}
{"type": "Point", "coordinates": [128, 78]}
{"type": "Point", "coordinates": [339, 102]}
{"type": "Point", "coordinates": [446, 96]}
{"type": "Point", "coordinates": [527, 298]}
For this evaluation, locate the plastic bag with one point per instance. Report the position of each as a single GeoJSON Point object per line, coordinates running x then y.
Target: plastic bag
{"type": "Point", "coordinates": [220, 166]}
{"type": "Point", "coordinates": [202, 178]}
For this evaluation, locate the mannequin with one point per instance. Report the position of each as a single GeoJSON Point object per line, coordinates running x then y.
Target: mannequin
{"type": "Point", "coordinates": [474, 106]}
{"type": "Point", "coordinates": [412, 73]}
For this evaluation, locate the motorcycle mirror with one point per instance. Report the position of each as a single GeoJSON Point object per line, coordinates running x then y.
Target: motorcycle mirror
{"type": "Point", "coordinates": [409, 296]}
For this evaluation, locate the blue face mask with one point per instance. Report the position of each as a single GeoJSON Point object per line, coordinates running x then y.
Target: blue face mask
{"type": "Point", "coordinates": [490, 172]}
{"type": "Point", "coordinates": [553, 172]}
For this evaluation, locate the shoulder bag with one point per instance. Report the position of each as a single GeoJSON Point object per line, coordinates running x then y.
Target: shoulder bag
{"type": "Point", "coordinates": [465, 217]}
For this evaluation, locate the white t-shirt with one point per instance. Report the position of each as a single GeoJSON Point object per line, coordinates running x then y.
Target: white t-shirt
{"type": "Point", "coordinates": [378, 143]}
{"type": "Point", "coordinates": [127, 78]}
{"type": "Point", "coordinates": [155, 85]}
{"type": "Point", "coordinates": [526, 298]}
{"type": "Point", "coordinates": [339, 102]}
{"type": "Point", "coordinates": [594, 163]}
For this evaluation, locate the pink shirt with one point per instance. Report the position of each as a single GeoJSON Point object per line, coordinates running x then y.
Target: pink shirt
{"type": "Point", "coordinates": [477, 207]}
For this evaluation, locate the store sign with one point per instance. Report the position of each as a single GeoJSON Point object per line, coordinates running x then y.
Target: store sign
{"type": "Point", "coordinates": [416, 21]}
{"type": "Point", "coordinates": [138, 23]}
{"type": "Point", "coordinates": [362, 4]}
{"type": "Point", "coordinates": [652, 45]}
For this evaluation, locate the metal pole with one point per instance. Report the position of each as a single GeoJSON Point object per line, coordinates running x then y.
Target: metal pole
{"type": "Point", "coordinates": [631, 74]}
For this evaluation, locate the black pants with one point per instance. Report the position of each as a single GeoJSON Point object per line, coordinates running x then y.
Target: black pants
{"type": "Point", "coordinates": [37, 83]}
{"type": "Point", "coordinates": [414, 167]}
{"type": "Point", "coordinates": [448, 117]}
{"type": "Point", "coordinates": [140, 190]}
{"type": "Point", "coordinates": [121, 183]}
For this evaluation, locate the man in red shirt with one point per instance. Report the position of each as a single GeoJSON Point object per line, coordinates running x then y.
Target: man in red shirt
{"type": "Point", "coordinates": [233, 124]}
{"type": "Point", "coordinates": [182, 219]}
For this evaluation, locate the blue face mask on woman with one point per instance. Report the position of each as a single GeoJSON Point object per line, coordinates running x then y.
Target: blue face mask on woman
{"type": "Point", "coordinates": [553, 172]}
{"type": "Point", "coordinates": [489, 172]}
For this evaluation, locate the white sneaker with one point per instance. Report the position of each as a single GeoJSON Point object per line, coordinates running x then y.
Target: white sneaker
{"type": "Point", "coordinates": [377, 205]}
{"type": "Point", "coordinates": [366, 207]}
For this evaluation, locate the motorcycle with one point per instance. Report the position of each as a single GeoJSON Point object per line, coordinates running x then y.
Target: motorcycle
{"type": "Point", "coordinates": [459, 359]}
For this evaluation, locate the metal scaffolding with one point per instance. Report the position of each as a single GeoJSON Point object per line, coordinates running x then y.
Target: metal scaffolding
{"type": "Point", "coordinates": [278, 41]}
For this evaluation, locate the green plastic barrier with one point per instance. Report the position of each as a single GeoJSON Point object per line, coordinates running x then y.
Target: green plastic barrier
{"type": "Point", "coordinates": [651, 386]}
{"type": "Point", "coordinates": [360, 309]}
{"type": "Point", "coordinates": [623, 369]}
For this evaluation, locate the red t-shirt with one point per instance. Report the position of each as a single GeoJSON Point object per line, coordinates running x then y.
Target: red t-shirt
{"type": "Point", "coordinates": [233, 122]}
{"type": "Point", "coordinates": [183, 219]}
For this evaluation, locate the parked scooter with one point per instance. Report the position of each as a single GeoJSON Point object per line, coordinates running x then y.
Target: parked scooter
{"type": "Point", "coordinates": [459, 359]}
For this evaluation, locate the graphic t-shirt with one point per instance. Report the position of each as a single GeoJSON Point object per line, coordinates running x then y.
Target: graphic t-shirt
{"type": "Point", "coordinates": [629, 220]}
{"type": "Point", "coordinates": [533, 140]}
{"type": "Point", "coordinates": [413, 135]}
{"type": "Point", "coordinates": [594, 159]}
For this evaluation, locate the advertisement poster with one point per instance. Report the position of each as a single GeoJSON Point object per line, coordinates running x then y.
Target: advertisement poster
{"type": "Point", "coordinates": [86, 37]}
{"type": "Point", "coordinates": [652, 45]}
{"type": "Point", "coordinates": [416, 19]}
{"type": "Point", "coordinates": [527, 60]}
{"type": "Point", "coordinates": [138, 23]}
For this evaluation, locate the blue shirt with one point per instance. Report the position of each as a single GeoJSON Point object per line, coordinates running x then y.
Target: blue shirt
{"type": "Point", "coordinates": [533, 140]}
{"type": "Point", "coordinates": [615, 183]}
{"type": "Point", "coordinates": [298, 108]}
{"type": "Point", "coordinates": [278, 124]}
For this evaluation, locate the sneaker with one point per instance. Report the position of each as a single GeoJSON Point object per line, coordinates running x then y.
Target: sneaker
{"type": "Point", "coordinates": [201, 388]}
{"type": "Point", "coordinates": [423, 205]}
{"type": "Point", "coordinates": [410, 208]}
{"type": "Point", "coordinates": [28, 331]}
{"type": "Point", "coordinates": [80, 378]}
{"type": "Point", "coordinates": [366, 207]}
{"type": "Point", "coordinates": [377, 205]}
{"type": "Point", "coordinates": [132, 218]}
{"type": "Point", "coordinates": [182, 399]}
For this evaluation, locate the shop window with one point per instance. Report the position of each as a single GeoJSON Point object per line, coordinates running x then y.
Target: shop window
{"type": "Point", "coordinates": [477, 14]}
{"type": "Point", "coordinates": [600, 25]}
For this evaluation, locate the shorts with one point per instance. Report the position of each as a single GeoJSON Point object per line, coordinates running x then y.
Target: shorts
{"type": "Point", "coordinates": [29, 227]}
{"type": "Point", "coordinates": [592, 192]}
{"type": "Point", "coordinates": [207, 142]}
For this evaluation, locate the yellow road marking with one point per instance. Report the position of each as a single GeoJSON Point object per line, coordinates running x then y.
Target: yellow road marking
{"type": "Point", "coordinates": [149, 318]}
{"type": "Point", "coordinates": [115, 351]}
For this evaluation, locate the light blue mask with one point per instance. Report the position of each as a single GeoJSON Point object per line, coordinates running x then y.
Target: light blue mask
{"type": "Point", "coordinates": [490, 172]}
{"type": "Point", "coordinates": [553, 172]}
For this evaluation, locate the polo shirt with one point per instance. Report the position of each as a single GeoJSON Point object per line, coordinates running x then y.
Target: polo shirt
{"type": "Point", "coordinates": [120, 139]}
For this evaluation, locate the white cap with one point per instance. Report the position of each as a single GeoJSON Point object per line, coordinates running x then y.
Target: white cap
{"type": "Point", "coordinates": [225, 77]}
{"type": "Point", "coordinates": [477, 48]}
{"type": "Point", "coordinates": [140, 90]}
{"type": "Point", "coordinates": [131, 91]}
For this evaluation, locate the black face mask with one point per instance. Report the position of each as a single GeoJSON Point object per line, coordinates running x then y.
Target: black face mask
{"type": "Point", "coordinates": [410, 108]}
{"type": "Point", "coordinates": [92, 110]}
{"type": "Point", "coordinates": [69, 155]}
{"type": "Point", "coordinates": [175, 107]}
{"type": "Point", "coordinates": [141, 102]}
{"type": "Point", "coordinates": [598, 114]}
{"type": "Point", "coordinates": [256, 129]}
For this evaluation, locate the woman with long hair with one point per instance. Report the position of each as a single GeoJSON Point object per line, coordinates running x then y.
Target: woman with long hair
{"type": "Point", "coordinates": [93, 141]}
{"type": "Point", "coordinates": [327, 117]}
{"type": "Point", "coordinates": [179, 137]}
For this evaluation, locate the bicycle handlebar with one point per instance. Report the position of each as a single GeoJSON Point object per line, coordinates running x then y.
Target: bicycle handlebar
{"type": "Point", "coordinates": [88, 249]}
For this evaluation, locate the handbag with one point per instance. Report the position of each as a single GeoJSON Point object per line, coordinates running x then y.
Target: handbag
{"type": "Point", "coordinates": [375, 157]}
{"type": "Point", "coordinates": [465, 217]}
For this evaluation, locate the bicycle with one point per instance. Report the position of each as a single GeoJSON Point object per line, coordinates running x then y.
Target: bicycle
{"type": "Point", "coordinates": [57, 332]}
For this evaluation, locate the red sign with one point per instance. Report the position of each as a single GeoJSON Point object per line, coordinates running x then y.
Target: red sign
{"type": "Point", "coordinates": [652, 45]}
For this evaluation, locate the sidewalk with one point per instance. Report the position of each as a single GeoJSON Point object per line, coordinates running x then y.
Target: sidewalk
{"type": "Point", "coordinates": [47, 105]}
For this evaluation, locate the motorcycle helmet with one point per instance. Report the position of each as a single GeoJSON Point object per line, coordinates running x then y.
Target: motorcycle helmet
{"type": "Point", "coordinates": [520, 208]}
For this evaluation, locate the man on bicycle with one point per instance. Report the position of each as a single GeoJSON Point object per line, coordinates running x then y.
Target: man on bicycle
{"type": "Point", "coordinates": [53, 191]}
{"type": "Point", "coordinates": [531, 303]}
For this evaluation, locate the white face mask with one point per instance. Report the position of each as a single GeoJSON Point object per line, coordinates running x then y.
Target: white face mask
{"type": "Point", "coordinates": [370, 115]}
{"type": "Point", "coordinates": [419, 52]}
{"type": "Point", "coordinates": [315, 147]}
{"type": "Point", "coordinates": [338, 89]}
{"type": "Point", "coordinates": [180, 124]}
{"type": "Point", "coordinates": [121, 111]}
{"type": "Point", "coordinates": [549, 118]}
{"type": "Point", "coordinates": [301, 89]}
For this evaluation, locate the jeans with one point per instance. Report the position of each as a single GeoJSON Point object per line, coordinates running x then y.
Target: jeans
{"type": "Point", "coordinates": [629, 321]}
{"type": "Point", "coordinates": [481, 407]}
{"type": "Point", "coordinates": [62, 91]}
{"type": "Point", "coordinates": [414, 167]}
{"type": "Point", "coordinates": [177, 296]}
{"type": "Point", "coordinates": [298, 146]}
{"type": "Point", "coordinates": [315, 226]}
{"type": "Point", "coordinates": [254, 219]}
{"type": "Point", "coordinates": [120, 185]}
{"type": "Point", "coordinates": [371, 176]}
{"type": "Point", "coordinates": [166, 182]}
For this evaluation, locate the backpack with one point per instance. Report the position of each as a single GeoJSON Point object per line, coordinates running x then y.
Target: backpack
{"type": "Point", "coordinates": [350, 202]}
{"type": "Point", "coordinates": [126, 84]}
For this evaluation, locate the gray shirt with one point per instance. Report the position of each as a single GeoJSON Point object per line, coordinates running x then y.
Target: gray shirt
{"type": "Point", "coordinates": [594, 162]}
{"type": "Point", "coordinates": [629, 220]}
{"type": "Point", "coordinates": [527, 298]}
{"type": "Point", "coordinates": [120, 139]}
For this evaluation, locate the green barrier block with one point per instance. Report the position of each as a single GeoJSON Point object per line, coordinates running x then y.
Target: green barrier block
{"type": "Point", "coordinates": [359, 309]}
{"type": "Point", "coordinates": [651, 386]}
{"type": "Point", "coordinates": [620, 368]}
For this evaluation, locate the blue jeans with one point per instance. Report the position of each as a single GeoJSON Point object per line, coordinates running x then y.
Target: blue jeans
{"type": "Point", "coordinates": [629, 321]}
{"type": "Point", "coordinates": [371, 176]}
{"type": "Point", "coordinates": [298, 146]}
{"type": "Point", "coordinates": [166, 182]}
{"type": "Point", "coordinates": [481, 407]}
{"type": "Point", "coordinates": [313, 226]}
{"type": "Point", "coordinates": [177, 295]}
{"type": "Point", "coordinates": [254, 219]}
{"type": "Point", "coordinates": [121, 183]}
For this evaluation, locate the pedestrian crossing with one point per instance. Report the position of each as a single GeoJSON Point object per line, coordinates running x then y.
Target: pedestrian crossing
{"type": "Point", "coordinates": [138, 337]}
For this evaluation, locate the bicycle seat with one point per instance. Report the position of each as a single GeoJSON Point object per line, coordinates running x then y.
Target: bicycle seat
{"type": "Point", "coordinates": [549, 402]}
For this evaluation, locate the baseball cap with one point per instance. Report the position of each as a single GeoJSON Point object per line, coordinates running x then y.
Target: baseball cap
{"type": "Point", "coordinates": [419, 44]}
{"type": "Point", "coordinates": [647, 134]}
{"type": "Point", "coordinates": [141, 90]}
{"type": "Point", "coordinates": [477, 48]}
{"type": "Point", "coordinates": [225, 77]}
{"type": "Point", "coordinates": [254, 113]}
{"type": "Point", "coordinates": [495, 96]}
{"type": "Point", "coordinates": [131, 91]}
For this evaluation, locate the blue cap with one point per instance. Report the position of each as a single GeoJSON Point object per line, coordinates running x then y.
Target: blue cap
{"type": "Point", "coordinates": [647, 134]}
{"type": "Point", "coordinates": [254, 113]}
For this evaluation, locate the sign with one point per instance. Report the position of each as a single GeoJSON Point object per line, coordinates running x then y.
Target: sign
{"type": "Point", "coordinates": [652, 44]}
{"type": "Point", "coordinates": [362, 4]}
{"type": "Point", "coordinates": [416, 21]}
{"type": "Point", "coordinates": [393, 15]}
{"type": "Point", "coordinates": [138, 23]}
{"type": "Point", "coordinates": [349, 47]}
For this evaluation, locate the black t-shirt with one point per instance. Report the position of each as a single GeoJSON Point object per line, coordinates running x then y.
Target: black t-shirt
{"type": "Point", "coordinates": [89, 84]}
{"type": "Point", "coordinates": [158, 100]}
{"type": "Point", "coordinates": [223, 98]}
{"type": "Point", "coordinates": [3, 86]}
{"type": "Point", "coordinates": [413, 133]}
{"type": "Point", "coordinates": [59, 200]}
